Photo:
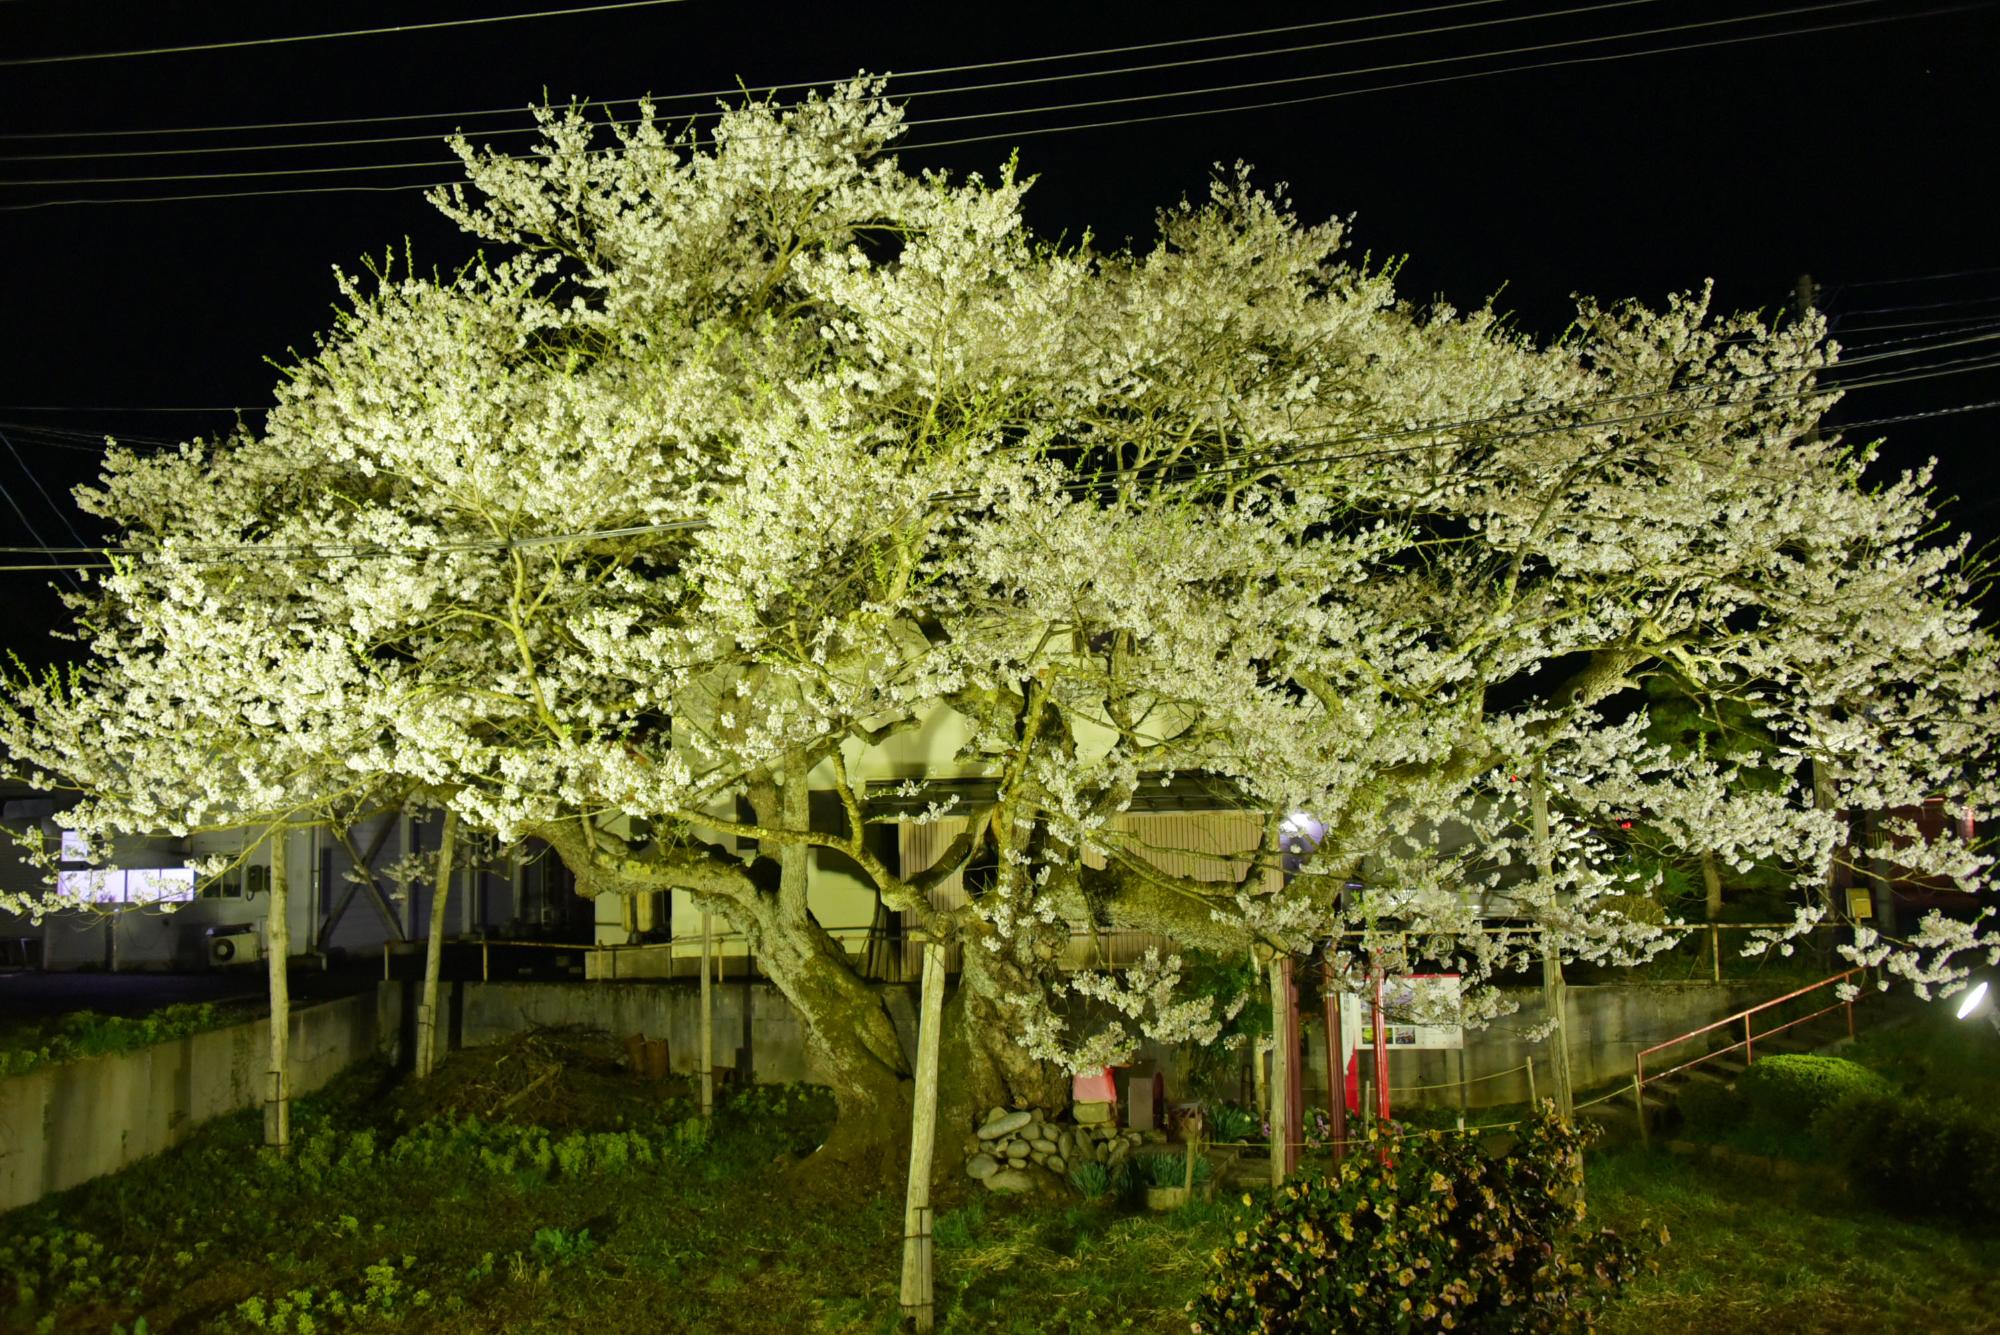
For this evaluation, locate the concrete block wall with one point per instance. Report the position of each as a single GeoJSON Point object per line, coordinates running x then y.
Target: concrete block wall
{"type": "Point", "coordinates": [62, 1125]}
{"type": "Point", "coordinates": [754, 1015]}
{"type": "Point", "coordinates": [1608, 1025]}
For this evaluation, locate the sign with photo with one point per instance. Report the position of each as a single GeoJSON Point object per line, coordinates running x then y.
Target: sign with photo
{"type": "Point", "coordinates": [1419, 1010]}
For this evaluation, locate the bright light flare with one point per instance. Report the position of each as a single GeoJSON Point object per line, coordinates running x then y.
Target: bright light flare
{"type": "Point", "coordinates": [1973, 998]}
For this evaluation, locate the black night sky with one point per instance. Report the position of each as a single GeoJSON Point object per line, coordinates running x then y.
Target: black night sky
{"type": "Point", "coordinates": [1855, 154]}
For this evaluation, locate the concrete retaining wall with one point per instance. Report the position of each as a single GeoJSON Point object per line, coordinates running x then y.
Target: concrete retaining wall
{"type": "Point", "coordinates": [1607, 1026]}
{"type": "Point", "coordinates": [752, 1016]}
{"type": "Point", "coordinates": [65, 1124]}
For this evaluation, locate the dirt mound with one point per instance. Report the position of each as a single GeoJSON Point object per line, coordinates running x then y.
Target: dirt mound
{"type": "Point", "coordinates": [570, 1078]}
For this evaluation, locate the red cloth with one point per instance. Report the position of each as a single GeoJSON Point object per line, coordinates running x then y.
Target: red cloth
{"type": "Point", "coordinates": [1094, 1086]}
{"type": "Point", "coordinates": [1354, 1083]}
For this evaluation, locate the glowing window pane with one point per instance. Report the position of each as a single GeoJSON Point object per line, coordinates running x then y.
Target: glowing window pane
{"type": "Point", "coordinates": [156, 885]}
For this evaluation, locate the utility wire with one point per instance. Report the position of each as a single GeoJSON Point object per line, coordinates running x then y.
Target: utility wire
{"type": "Point", "coordinates": [1056, 129]}
{"type": "Point", "coordinates": [1916, 278]}
{"type": "Point", "coordinates": [333, 551]}
{"type": "Point", "coordinates": [20, 61]}
{"type": "Point", "coordinates": [1922, 306]}
{"type": "Point", "coordinates": [34, 533]}
{"type": "Point", "coordinates": [738, 90]}
{"type": "Point", "coordinates": [1442, 79]}
{"type": "Point", "coordinates": [61, 513]}
{"type": "Point", "coordinates": [1940, 325]}
{"type": "Point", "coordinates": [1089, 104]}
{"type": "Point", "coordinates": [901, 96]}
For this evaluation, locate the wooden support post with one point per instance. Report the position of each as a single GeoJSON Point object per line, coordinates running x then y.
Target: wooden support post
{"type": "Point", "coordinates": [427, 1010]}
{"type": "Point", "coordinates": [1639, 1107]}
{"type": "Point", "coordinates": [1336, 1067]}
{"type": "Point", "coordinates": [1555, 999]}
{"type": "Point", "coordinates": [1464, 1093]}
{"type": "Point", "coordinates": [1284, 1057]}
{"type": "Point", "coordinates": [277, 956]}
{"type": "Point", "coordinates": [917, 1288]}
{"type": "Point", "coordinates": [707, 1022]}
{"type": "Point", "coordinates": [1533, 1100]}
{"type": "Point", "coordinates": [1381, 1053]}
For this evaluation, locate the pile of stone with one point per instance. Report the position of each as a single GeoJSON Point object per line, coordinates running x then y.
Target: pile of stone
{"type": "Point", "coordinates": [1011, 1144]}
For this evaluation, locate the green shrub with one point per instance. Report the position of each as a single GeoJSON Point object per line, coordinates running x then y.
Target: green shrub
{"type": "Point", "coordinates": [1787, 1090]}
{"type": "Point", "coordinates": [1440, 1238]}
{"type": "Point", "coordinates": [89, 1034]}
{"type": "Point", "coordinates": [1915, 1155]}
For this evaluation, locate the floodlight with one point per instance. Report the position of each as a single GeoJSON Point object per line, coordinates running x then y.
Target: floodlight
{"type": "Point", "coordinates": [1974, 996]}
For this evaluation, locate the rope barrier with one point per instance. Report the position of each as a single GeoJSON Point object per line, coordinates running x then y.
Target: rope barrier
{"type": "Point", "coordinates": [1454, 1084]}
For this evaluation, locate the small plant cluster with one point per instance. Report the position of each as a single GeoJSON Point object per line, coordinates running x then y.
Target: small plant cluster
{"type": "Point", "coordinates": [1427, 1234]}
{"type": "Point", "coordinates": [1232, 1124]}
{"type": "Point", "coordinates": [1096, 1181]}
{"type": "Point", "coordinates": [63, 1266]}
{"type": "Point", "coordinates": [88, 1034]}
{"type": "Point", "coordinates": [383, 1291]}
{"type": "Point", "coordinates": [797, 1099]}
{"type": "Point", "coordinates": [499, 1148]}
{"type": "Point", "coordinates": [1170, 1170]}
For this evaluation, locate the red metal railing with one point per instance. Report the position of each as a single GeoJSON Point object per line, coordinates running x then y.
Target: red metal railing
{"type": "Point", "coordinates": [1747, 1018]}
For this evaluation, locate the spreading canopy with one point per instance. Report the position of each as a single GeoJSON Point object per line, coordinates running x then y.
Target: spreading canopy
{"type": "Point", "coordinates": [731, 459]}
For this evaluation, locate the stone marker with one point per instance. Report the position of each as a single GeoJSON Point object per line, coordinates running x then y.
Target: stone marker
{"type": "Point", "coordinates": [981, 1166]}
{"type": "Point", "coordinates": [1090, 1114]}
{"type": "Point", "coordinates": [1009, 1180]}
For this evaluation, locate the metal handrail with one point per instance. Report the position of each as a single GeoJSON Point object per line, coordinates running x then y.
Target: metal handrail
{"type": "Point", "coordinates": [1748, 1042]}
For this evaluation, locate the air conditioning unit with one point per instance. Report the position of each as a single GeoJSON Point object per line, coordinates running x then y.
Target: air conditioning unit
{"type": "Point", "coordinates": [242, 944]}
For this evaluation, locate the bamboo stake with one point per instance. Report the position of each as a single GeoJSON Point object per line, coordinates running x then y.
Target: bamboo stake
{"type": "Point", "coordinates": [1283, 1134]}
{"type": "Point", "coordinates": [1555, 1000]}
{"type": "Point", "coordinates": [427, 1027]}
{"type": "Point", "coordinates": [707, 1021]}
{"type": "Point", "coordinates": [277, 953]}
{"type": "Point", "coordinates": [917, 1293]}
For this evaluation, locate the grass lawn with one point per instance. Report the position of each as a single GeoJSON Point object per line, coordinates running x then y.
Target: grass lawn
{"type": "Point", "coordinates": [614, 1213]}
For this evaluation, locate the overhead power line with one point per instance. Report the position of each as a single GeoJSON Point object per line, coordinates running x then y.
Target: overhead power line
{"type": "Point", "coordinates": [902, 97]}
{"type": "Point", "coordinates": [19, 61]}
{"type": "Point", "coordinates": [1025, 132]}
{"type": "Point", "coordinates": [738, 90]}
{"type": "Point", "coordinates": [1920, 306]}
{"type": "Point", "coordinates": [1241, 86]}
{"type": "Point", "coordinates": [1917, 278]}
{"type": "Point", "coordinates": [1475, 74]}
{"type": "Point", "coordinates": [1959, 322]}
